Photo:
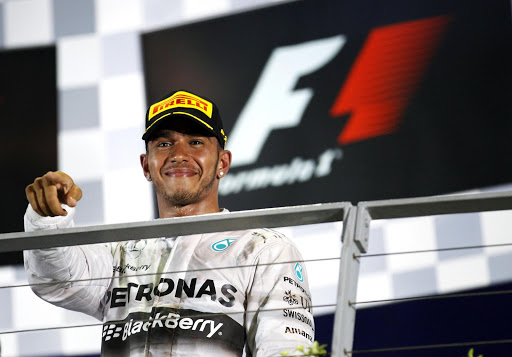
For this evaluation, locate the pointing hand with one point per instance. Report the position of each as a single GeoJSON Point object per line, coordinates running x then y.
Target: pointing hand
{"type": "Point", "coordinates": [47, 193]}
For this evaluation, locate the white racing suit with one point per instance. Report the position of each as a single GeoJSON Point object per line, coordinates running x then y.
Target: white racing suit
{"type": "Point", "coordinates": [220, 294]}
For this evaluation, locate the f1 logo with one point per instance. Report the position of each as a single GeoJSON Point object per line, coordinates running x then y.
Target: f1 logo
{"type": "Point", "coordinates": [273, 103]}
{"type": "Point", "coordinates": [375, 94]}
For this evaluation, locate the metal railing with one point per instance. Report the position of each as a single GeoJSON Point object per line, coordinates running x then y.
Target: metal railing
{"type": "Point", "coordinates": [355, 235]}
{"type": "Point", "coordinates": [356, 245]}
{"type": "Point", "coordinates": [209, 223]}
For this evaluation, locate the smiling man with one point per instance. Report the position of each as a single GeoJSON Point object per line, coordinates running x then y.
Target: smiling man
{"type": "Point", "coordinates": [219, 294]}
{"type": "Point", "coordinates": [185, 154]}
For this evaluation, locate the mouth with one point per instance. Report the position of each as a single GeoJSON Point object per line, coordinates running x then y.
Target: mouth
{"type": "Point", "coordinates": [180, 172]}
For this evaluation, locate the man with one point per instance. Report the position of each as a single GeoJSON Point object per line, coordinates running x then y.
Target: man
{"type": "Point", "coordinates": [219, 294]}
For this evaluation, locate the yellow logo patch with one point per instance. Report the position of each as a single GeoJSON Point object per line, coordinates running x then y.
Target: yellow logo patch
{"type": "Point", "coordinates": [181, 99]}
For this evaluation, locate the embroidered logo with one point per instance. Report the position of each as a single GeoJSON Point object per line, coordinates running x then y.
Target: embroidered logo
{"type": "Point", "coordinates": [222, 244]}
{"type": "Point", "coordinates": [111, 331]}
{"type": "Point", "coordinates": [134, 248]}
{"type": "Point", "coordinates": [290, 298]}
{"type": "Point", "coordinates": [298, 272]}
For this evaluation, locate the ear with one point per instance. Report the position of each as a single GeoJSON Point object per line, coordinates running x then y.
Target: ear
{"type": "Point", "coordinates": [144, 164]}
{"type": "Point", "coordinates": [224, 163]}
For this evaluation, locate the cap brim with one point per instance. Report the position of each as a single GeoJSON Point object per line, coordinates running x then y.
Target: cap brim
{"type": "Point", "coordinates": [173, 116]}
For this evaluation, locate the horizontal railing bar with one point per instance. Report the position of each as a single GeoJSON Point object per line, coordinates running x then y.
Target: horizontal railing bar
{"type": "Point", "coordinates": [127, 276]}
{"type": "Point", "coordinates": [433, 297]}
{"type": "Point", "coordinates": [435, 205]}
{"type": "Point", "coordinates": [423, 251]}
{"type": "Point", "coordinates": [209, 223]}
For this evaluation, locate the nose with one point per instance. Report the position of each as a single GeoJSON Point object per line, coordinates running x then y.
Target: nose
{"type": "Point", "coordinates": [179, 153]}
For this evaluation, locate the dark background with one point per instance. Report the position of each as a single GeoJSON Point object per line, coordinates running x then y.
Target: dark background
{"type": "Point", "coordinates": [28, 130]}
{"type": "Point", "coordinates": [432, 322]}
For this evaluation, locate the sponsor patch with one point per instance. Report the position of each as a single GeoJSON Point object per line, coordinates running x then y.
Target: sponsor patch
{"type": "Point", "coordinates": [298, 331]}
{"type": "Point", "coordinates": [130, 268]}
{"type": "Point", "coordinates": [290, 298]}
{"type": "Point", "coordinates": [299, 317]}
{"type": "Point", "coordinates": [204, 327]}
{"type": "Point", "coordinates": [174, 328]}
{"type": "Point", "coordinates": [111, 331]}
{"type": "Point", "coordinates": [298, 272]}
{"type": "Point", "coordinates": [181, 99]}
{"type": "Point", "coordinates": [190, 288]}
{"type": "Point", "coordinates": [306, 304]}
{"type": "Point", "coordinates": [134, 248]}
{"type": "Point", "coordinates": [222, 245]}
{"type": "Point", "coordinates": [293, 282]}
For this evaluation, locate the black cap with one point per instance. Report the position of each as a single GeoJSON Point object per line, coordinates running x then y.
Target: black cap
{"type": "Point", "coordinates": [185, 104]}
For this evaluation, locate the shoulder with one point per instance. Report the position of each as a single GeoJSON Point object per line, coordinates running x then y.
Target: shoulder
{"type": "Point", "coordinates": [254, 243]}
{"type": "Point", "coordinates": [263, 237]}
{"type": "Point", "coordinates": [259, 238]}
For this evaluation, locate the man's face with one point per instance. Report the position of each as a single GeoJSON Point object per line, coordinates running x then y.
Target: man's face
{"type": "Point", "coordinates": [183, 163]}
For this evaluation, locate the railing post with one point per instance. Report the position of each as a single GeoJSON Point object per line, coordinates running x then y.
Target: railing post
{"type": "Point", "coordinates": [345, 317]}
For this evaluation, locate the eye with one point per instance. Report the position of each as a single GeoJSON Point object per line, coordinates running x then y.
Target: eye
{"type": "Point", "coordinates": [163, 144]}
{"type": "Point", "coordinates": [196, 142]}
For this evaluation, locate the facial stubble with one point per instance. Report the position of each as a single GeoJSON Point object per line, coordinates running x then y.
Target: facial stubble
{"type": "Point", "coordinates": [181, 197]}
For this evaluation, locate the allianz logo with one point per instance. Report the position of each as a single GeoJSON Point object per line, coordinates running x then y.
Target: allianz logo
{"type": "Point", "coordinates": [170, 321]}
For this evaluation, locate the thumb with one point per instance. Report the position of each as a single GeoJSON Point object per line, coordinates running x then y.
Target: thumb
{"type": "Point", "coordinates": [73, 196]}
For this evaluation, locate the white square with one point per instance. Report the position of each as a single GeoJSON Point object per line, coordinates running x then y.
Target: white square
{"type": "Point", "coordinates": [122, 102]}
{"type": "Point", "coordinates": [194, 10]}
{"type": "Point", "coordinates": [41, 314]}
{"type": "Point", "coordinates": [28, 23]}
{"type": "Point", "coordinates": [323, 274]}
{"type": "Point", "coordinates": [119, 15]}
{"type": "Point", "coordinates": [374, 287]}
{"type": "Point", "coordinates": [82, 153]}
{"type": "Point", "coordinates": [316, 241]}
{"type": "Point", "coordinates": [84, 340]}
{"type": "Point", "coordinates": [78, 61]}
{"type": "Point", "coordinates": [408, 235]}
{"type": "Point", "coordinates": [7, 275]}
{"type": "Point", "coordinates": [462, 273]}
{"type": "Point", "coordinates": [324, 299]}
{"type": "Point", "coordinates": [123, 149]}
{"type": "Point", "coordinates": [497, 229]}
{"type": "Point", "coordinates": [128, 196]}
{"type": "Point", "coordinates": [10, 344]}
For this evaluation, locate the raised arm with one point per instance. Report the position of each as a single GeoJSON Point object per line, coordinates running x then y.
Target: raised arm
{"type": "Point", "coordinates": [67, 276]}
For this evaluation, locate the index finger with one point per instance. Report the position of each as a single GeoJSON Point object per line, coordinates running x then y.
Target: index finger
{"type": "Point", "coordinates": [51, 195]}
{"type": "Point", "coordinates": [62, 180]}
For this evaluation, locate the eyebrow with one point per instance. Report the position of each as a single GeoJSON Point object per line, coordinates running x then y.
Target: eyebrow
{"type": "Point", "coordinates": [167, 133]}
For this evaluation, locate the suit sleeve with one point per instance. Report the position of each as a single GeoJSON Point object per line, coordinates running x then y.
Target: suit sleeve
{"type": "Point", "coordinates": [279, 308]}
{"type": "Point", "coordinates": [76, 278]}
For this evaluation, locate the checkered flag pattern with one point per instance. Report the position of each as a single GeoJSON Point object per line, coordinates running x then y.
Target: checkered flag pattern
{"type": "Point", "coordinates": [101, 106]}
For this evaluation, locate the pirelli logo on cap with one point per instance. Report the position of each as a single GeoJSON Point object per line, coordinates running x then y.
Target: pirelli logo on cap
{"type": "Point", "coordinates": [180, 100]}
